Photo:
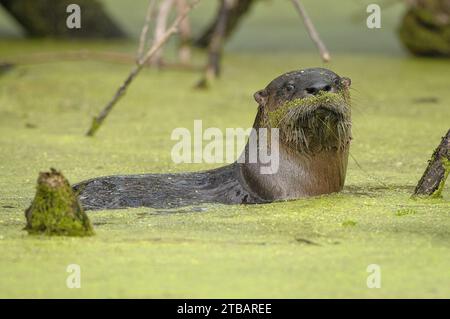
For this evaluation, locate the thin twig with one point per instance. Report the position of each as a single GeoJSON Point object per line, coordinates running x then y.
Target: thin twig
{"type": "Point", "coordinates": [184, 50]}
{"type": "Point", "coordinates": [325, 55]}
{"type": "Point", "coordinates": [160, 27]}
{"type": "Point", "coordinates": [74, 55]}
{"type": "Point", "coordinates": [87, 55]}
{"type": "Point", "coordinates": [98, 120]}
{"type": "Point", "coordinates": [143, 37]}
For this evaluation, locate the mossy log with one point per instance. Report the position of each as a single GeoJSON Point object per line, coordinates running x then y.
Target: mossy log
{"type": "Point", "coordinates": [433, 179]}
{"type": "Point", "coordinates": [47, 18]}
{"type": "Point", "coordinates": [55, 209]}
{"type": "Point", "coordinates": [425, 28]}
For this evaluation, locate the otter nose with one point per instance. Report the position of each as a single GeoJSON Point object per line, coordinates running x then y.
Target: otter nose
{"type": "Point", "coordinates": [317, 87]}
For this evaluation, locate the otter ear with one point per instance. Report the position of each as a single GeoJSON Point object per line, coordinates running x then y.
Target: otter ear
{"type": "Point", "coordinates": [346, 82]}
{"type": "Point", "coordinates": [261, 97]}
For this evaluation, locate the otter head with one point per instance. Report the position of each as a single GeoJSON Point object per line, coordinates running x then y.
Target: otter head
{"type": "Point", "coordinates": [310, 107]}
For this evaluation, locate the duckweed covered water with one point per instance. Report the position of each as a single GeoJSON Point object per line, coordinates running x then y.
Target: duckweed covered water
{"type": "Point", "coordinates": [316, 247]}
{"type": "Point", "coordinates": [215, 250]}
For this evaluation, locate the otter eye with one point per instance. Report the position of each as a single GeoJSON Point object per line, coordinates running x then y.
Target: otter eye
{"type": "Point", "coordinates": [290, 87]}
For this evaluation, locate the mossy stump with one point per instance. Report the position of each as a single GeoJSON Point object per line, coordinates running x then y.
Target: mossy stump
{"type": "Point", "coordinates": [55, 209]}
{"type": "Point", "coordinates": [433, 179]}
{"type": "Point", "coordinates": [425, 28]}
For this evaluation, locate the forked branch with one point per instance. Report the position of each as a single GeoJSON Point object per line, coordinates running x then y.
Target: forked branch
{"type": "Point", "coordinates": [141, 61]}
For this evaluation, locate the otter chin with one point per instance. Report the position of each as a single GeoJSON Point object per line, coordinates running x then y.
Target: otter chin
{"type": "Point", "coordinates": [310, 108]}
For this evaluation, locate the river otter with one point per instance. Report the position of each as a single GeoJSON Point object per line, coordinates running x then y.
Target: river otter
{"type": "Point", "coordinates": [310, 108]}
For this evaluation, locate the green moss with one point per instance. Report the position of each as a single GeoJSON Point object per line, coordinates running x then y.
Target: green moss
{"type": "Point", "coordinates": [55, 209]}
{"type": "Point", "coordinates": [322, 98]}
{"type": "Point", "coordinates": [438, 192]}
{"type": "Point", "coordinates": [349, 223]}
{"type": "Point", "coordinates": [405, 211]}
{"type": "Point", "coordinates": [94, 127]}
{"type": "Point", "coordinates": [422, 34]}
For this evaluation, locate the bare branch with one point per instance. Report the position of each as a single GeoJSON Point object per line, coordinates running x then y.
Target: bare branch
{"type": "Point", "coordinates": [325, 55]}
{"type": "Point", "coordinates": [75, 55]}
{"type": "Point", "coordinates": [98, 120]}
{"type": "Point", "coordinates": [184, 51]}
{"type": "Point", "coordinates": [216, 44]}
{"type": "Point", "coordinates": [144, 31]}
{"type": "Point", "coordinates": [88, 55]}
{"type": "Point", "coordinates": [160, 28]}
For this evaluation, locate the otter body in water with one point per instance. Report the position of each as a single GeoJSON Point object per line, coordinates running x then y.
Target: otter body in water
{"type": "Point", "coordinates": [311, 110]}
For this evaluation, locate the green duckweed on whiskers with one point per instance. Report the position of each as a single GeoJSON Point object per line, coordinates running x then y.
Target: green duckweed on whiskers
{"type": "Point", "coordinates": [315, 123]}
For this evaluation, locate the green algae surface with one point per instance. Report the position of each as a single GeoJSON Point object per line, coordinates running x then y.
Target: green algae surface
{"type": "Point", "coordinates": [316, 247]}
